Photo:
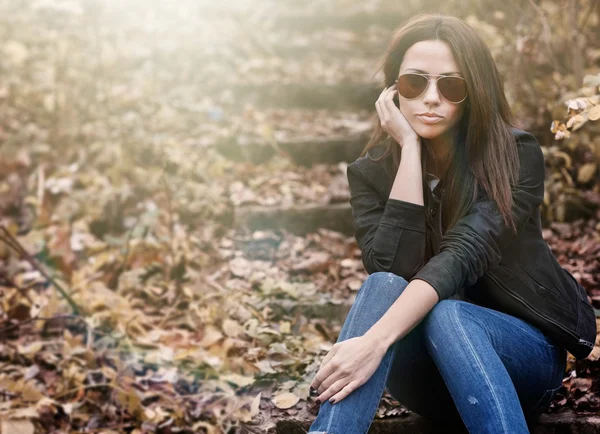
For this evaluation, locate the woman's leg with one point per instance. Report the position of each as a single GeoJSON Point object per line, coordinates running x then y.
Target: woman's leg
{"type": "Point", "coordinates": [354, 414]}
{"type": "Point", "coordinates": [499, 369]}
{"type": "Point", "coordinates": [415, 381]}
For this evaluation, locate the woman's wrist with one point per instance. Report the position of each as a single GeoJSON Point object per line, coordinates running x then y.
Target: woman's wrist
{"type": "Point", "coordinates": [379, 338]}
{"type": "Point", "coordinates": [408, 142]}
{"type": "Point", "coordinates": [411, 145]}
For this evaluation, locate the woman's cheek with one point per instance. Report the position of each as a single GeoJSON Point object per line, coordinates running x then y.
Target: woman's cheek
{"type": "Point", "coordinates": [407, 113]}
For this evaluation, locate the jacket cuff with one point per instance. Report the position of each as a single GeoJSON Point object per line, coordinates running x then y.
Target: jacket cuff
{"type": "Point", "coordinates": [404, 215]}
{"type": "Point", "coordinates": [437, 275]}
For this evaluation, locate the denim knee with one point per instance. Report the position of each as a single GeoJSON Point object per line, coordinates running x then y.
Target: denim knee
{"type": "Point", "coordinates": [441, 316]}
{"type": "Point", "coordinates": [381, 283]}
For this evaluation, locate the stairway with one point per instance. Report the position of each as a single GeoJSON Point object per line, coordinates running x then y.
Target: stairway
{"type": "Point", "coordinates": [305, 111]}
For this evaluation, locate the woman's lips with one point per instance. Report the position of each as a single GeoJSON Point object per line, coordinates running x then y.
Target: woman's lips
{"type": "Point", "coordinates": [429, 119]}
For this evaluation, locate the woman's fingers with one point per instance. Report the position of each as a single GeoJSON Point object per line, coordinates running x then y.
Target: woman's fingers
{"type": "Point", "coordinates": [339, 387]}
{"type": "Point", "coordinates": [325, 370]}
{"type": "Point", "coordinates": [382, 111]}
{"type": "Point", "coordinates": [378, 103]}
{"type": "Point", "coordinates": [328, 382]}
{"type": "Point", "coordinates": [344, 392]}
{"type": "Point", "coordinates": [388, 109]}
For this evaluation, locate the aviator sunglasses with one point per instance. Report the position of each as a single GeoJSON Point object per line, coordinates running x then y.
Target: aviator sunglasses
{"type": "Point", "coordinates": [412, 85]}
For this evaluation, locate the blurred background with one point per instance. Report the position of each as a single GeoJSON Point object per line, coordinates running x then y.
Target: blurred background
{"type": "Point", "coordinates": [176, 245]}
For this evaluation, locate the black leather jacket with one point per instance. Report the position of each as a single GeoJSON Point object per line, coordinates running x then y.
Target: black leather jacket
{"type": "Point", "coordinates": [480, 259]}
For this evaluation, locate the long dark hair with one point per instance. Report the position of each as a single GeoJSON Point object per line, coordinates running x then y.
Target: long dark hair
{"type": "Point", "coordinates": [484, 153]}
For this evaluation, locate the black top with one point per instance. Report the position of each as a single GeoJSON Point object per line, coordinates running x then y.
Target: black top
{"type": "Point", "coordinates": [480, 256]}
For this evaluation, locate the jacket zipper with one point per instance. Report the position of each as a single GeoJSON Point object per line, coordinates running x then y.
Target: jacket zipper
{"type": "Point", "coordinates": [440, 219]}
{"type": "Point", "coordinates": [540, 314]}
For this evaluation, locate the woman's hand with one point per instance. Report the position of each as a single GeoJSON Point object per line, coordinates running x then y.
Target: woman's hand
{"type": "Point", "coordinates": [347, 366]}
{"type": "Point", "coordinates": [393, 121]}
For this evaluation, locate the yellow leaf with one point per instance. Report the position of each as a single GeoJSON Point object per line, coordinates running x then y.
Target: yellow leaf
{"type": "Point", "coordinates": [210, 429]}
{"type": "Point", "coordinates": [32, 348]}
{"type": "Point", "coordinates": [232, 328]}
{"type": "Point", "coordinates": [594, 113]}
{"type": "Point", "coordinates": [588, 91]}
{"type": "Point", "coordinates": [30, 393]}
{"type": "Point", "coordinates": [586, 172]}
{"type": "Point", "coordinates": [576, 122]}
{"type": "Point", "coordinates": [239, 380]}
{"type": "Point", "coordinates": [130, 401]}
{"type": "Point", "coordinates": [285, 400]}
{"type": "Point", "coordinates": [254, 408]}
{"type": "Point", "coordinates": [565, 157]}
{"type": "Point", "coordinates": [285, 327]}
{"type": "Point", "coordinates": [16, 427]}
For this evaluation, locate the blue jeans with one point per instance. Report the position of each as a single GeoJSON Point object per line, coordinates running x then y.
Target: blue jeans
{"type": "Point", "coordinates": [463, 366]}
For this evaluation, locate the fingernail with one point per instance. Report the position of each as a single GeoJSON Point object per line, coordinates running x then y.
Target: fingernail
{"type": "Point", "coordinates": [318, 402]}
{"type": "Point", "coordinates": [311, 389]}
{"type": "Point", "coordinates": [332, 401]}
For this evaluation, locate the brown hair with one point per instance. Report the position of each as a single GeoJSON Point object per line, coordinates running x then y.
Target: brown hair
{"type": "Point", "coordinates": [484, 153]}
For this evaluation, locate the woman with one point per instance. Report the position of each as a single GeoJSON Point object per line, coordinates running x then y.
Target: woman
{"type": "Point", "coordinates": [466, 315]}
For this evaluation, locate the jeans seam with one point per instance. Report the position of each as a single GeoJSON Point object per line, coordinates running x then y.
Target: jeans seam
{"type": "Point", "coordinates": [552, 392]}
{"type": "Point", "coordinates": [554, 367]}
{"type": "Point", "coordinates": [493, 393]}
{"type": "Point", "coordinates": [386, 280]}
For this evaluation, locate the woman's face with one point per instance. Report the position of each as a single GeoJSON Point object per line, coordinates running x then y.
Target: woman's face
{"type": "Point", "coordinates": [431, 57]}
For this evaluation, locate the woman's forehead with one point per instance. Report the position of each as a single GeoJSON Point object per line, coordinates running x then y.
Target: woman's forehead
{"type": "Point", "coordinates": [430, 57]}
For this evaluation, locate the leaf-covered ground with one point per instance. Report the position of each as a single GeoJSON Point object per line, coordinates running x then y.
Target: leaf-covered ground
{"type": "Point", "coordinates": [128, 303]}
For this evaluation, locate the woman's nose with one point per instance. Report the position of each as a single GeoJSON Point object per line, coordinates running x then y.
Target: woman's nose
{"type": "Point", "coordinates": [431, 93]}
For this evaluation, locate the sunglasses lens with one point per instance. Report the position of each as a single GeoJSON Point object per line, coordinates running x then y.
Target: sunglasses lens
{"type": "Point", "coordinates": [411, 85]}
{"type": "Point", "coordinates": [453, 89]}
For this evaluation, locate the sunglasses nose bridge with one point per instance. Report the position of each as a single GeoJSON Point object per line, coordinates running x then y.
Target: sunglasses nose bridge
{"type": "Point", "coordinates": [436, 90]}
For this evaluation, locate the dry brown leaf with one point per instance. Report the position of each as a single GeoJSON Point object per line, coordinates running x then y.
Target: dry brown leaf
{"type": "Point", "coordinates": [254, 408]}
{"type": "Point", "coordinates": [586, 172]}
{"type": "Point", "coordinates": [285, 400]}
{"type": "Point", "coordinates": [576, 122]}
{"type": "Point", "coordinates": [594, 113]}
{"type": "Point", "coordinates": [16, 426]}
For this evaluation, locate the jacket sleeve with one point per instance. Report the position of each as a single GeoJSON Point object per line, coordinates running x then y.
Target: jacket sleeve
{"type": "Point", "coordinates": [475, 244]}
{"type": "Point", "coordinates": [390, 234]}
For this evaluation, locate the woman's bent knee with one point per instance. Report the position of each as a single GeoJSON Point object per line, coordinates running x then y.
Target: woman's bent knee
{"type": "Point", "coordinates": [442, 315]}
{"type": "Point", "coordinates": [386, 278]}
{"type": "Point", "coordinates": [382, 284]}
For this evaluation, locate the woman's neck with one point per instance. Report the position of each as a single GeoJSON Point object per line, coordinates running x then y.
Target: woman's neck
{"type": "Point", "coordinates": [438, 156]}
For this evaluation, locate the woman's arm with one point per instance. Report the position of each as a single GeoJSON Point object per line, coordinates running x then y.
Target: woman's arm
{"type": "Point", "coordinates": [390, 234]}
{"type": "Point", "coordinates": [415, 302]}
{"type": "Point", "coordinates": [407, 184]}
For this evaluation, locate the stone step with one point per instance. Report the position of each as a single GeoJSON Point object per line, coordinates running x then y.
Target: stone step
{"type": "Point", "coordinates": [303, 151]}
{"type": "Point", "coordinates": [340, 96]}
{"type": "Point", "coordinates": [299, 219]}
{"type": "Point", "coordinates": [564, 422]}
{"type": "Point", "coordinates": [326, 42]}
{"type": "Point", "coordinates": [334, 313]}
{"type": "Point", "coordinates": [358, 21]}
{"type": "Point", "coordinates": [309, 47]}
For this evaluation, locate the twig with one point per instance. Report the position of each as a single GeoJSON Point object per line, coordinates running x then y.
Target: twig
{"type": "Point", "coordinates": [585, 19]}
{"type": "Point", "coordinates": [171, 228]}
{"type": "Point", "coordinates": [7, 237]}
{"type": "Point", "coordinates": [168, 313]}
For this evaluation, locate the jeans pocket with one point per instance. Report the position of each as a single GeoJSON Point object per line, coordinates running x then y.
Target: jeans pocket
{"type": "Point", "coordinates": [544, 402]}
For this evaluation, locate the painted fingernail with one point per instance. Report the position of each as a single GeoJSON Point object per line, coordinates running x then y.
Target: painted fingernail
{"type": "Point", "coordinates": [318, 402]}
{"type": "Point", "coordinates": [332, 401]}
{"type": "Point", "coordinates": [311, 390]}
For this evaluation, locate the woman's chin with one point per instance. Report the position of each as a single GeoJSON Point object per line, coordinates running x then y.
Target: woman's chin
{"type": "Point", "coordinates": [429, 131]}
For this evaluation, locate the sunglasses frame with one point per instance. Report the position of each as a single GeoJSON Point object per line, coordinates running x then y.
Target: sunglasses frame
{"type": "Point", "coordinates": [427, 85]}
